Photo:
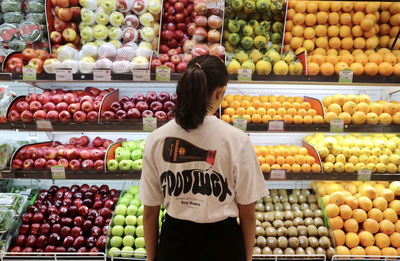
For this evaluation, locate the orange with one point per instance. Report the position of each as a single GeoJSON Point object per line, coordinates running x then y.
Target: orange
{"type": "Point", "coordinates": [382, 240]}
{"type": "Point", "coordinates": [333, 59]}
{"type": "Point", "coordinates": [359, 43]}
{"type": "Point", "coordinates": [306, 168]}
{"type": "Point", "coordinates": [371, 225]}
{"type": "Point", "coordinates": [371, 69]}
{"type": "Point", "coordinates": [296, 168]}
{"type": "Point", "coordinates": [327, 69]}
{"type": "Point", "coordinates": [340, 67]}
{"type": "Point", "coordinates": [357, 18]}
{"type": "Point", "coordinates": [297, 31]}
{"type": "Point", "coordinates": [300, 6]}
{"type": "Point", "coordinates": [356, 31]}
{"type": "Point", "coordinates": [333, 18]}
{"type": "Point", "coordinates": [387, 227]}
{"type": "Point", "coordinates": [357, 68]}
{"type": "Point", "coordinates": [309, 33]}
{"type": "Point", "coordinates": [313, 68]}
{"type": "Point", "coordinates": [347, 58]}
{"type": "Point", "coordinates": [359, 215]}
{"type": "Point", "coordinates": [322, 17]}
{"type": "Point", "coordinates": [380, 203]}
{"type": "Point", "coordinates": [357, 251]}
{"type": "Point", "coordinates": [361, 58]}
{"type": "Point", "coordinates": [389, 251]}
{"type": "Point", "coordinates": [298, 19]}
{"type": "Point", "coordinates": [385, 69]}
{"type": "Point", "coordinates": [367, 24]}
{"type": "Point", "coordinates": [366, 238]}
{"type": "Point", "coordinates": [352, 240]}
{"type": "Point", "coordinates": [317, 119]}
{"type": "Point", "coordinates": [373, 251]}
{"type": "Point", "coordinates": [266, 119]}
{"type": "Point", "coordinates": [389, 58]}
{"type": "Point", "coordinates": [375, 214]}
{"type": "Point", "coordinates": [310, 19]}
{"type": "Point", "coordinates": [390, 214]}
{"type": "Point", "coordinates": [316, 168]}
{"type": "Point", "coordinates": [345, 212]}
{"type": "Point", "coordinates": [332, 210]}
{"type": "Point", "coordinates": [333, 31]}
{"type": "Point", "coordinates": [296, 42]}
{"type": "Point", "coordinates": [256, 118]}
{"type": "Point", "coordinates": [336, 6]}
{"type": "Point", "coordinates": [337, 198]}
{"type": "Point", "coordinates": [345, 19]}
{"type": "Point", "coordinates": [351, 202]}
{"type": "Point", "coordinates": [340, 237]}
{"type": "Point", "coordinates": [359, 6]}
{"type": "Point", "coordinates": [342, 251]}
{"type": "Point", "coordinates": [351, 225]}
{"type": "Point", "coordinates": [265, 168]}
{"type": "Point", "coordinates": [395, 239]}
{"type": "Point", "coordinates": [387, 194]}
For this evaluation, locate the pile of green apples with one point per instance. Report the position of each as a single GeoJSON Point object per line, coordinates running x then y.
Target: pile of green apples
{"type": "Point", "coordinates": [128, 156]}
{"type": "Point", "coordinates": [127, 236]}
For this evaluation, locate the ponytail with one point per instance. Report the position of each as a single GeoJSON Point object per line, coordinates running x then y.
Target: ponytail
{"type": "Point", "coordinates": [202, 77]}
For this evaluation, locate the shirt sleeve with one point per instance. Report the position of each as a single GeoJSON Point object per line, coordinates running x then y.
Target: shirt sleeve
{"type": "Point", "coordinates": [250, 184]}
{"type": "Point", "coordinates": [150, 188]}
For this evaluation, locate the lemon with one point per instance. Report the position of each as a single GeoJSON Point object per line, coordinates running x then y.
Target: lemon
{"type": "Point", "coordinates": [233, 67]}
{"type": "Point", "coordinates": [295, 68]}
{"type": "Point", "coordinates": [249, 6]}
{"type": "Point", "coordinates": [288, 56]}
{"type": "Point", "coordinates": [241, 56]}
{"type": "Point", "coordinates": [260, 42]}
{"type": "Point", "coordinates": [263, 67]}
{"type": "Point", "coordinates": [273, 56]}
{"type": "Point", "coordinates": [255, 55]}
{"type": "Point", "coordinates": [247, 30]}
{"type": "Point", "coordinates": [249, 64]}
{"type": "Point", "coordinates": [281, 68]}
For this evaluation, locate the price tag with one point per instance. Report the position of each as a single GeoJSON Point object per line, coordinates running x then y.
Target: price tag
{"type": "Point", "coordinates": [163, 73]}
{"type": "Point", "coordinates": [213, 5]}
{"type": "Point", "coordinates": [337, 125]}
{"type": "Point", "coordinates": [64, 75]}
{"type": "Point", "coordinates": [44, 125]}
{"type": "Point", "coordinates": [277, 174]}
{"type": "Point", "coordinates": [364, 175]}
{"type": "Point", "coordinates": [346, 76]}
{"type": "Point", "coordinates": [28, 73]}
{"type": "Point", "coordinates": [240, 123]}
{"type": "Point", "coordinates": [141, 75]}
{"type": "Point", "coordinates": [57, 172]}
{"type": "Point", "coordinates": [275, 125]}
{"type": "Point", "coordinates": [102, 75]}
{"type": "Point", "coordinates": [149, 123]}
{"type": "Point", "coordinates": [244, 75]}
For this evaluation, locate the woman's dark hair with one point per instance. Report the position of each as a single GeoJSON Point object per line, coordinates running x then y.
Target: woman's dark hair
{"type": "Point", "coordinates": [203, 75]}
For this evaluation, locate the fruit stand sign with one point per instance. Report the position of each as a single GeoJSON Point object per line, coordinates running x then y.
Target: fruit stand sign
{"type": "Point", "coordinates": [102, 75]}
{"type": "Point", "coordinates": [336, 125]}
{"type": "Point", "coordinates": [64, 75]}
{"type": "Point", "coordinates": [163, 73]}
{"type": "Point", "coordinates": [149, 123]}
{"type": "Point", "coordinates": [346, 76]}
{"type": "Point", "coordinates": [28, 73]}
{"type": "Point", "coordinates": [57, 172]}
{"type": "Point", "coordinates": [44, 125]}
{"type": "Point", "coordinates": [240, 123]}
{"type": "Point", "coordinates": [277, 174]}
{"type": "Point", "coordinates": [141, 75]}
{"type": "Point", "coordinates": [364, 175]}
{"type": "Point", "coordinates": [275, 125]}
{"type": "Point", "coordinates": [244, 75]}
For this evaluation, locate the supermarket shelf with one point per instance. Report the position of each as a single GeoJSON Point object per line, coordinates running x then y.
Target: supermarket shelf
{"type": "Point", "coordinates": [337, 176]}
{"type": "Point", "coordinates": [71, 174]}
{"type": "Point", "coordinates": [137, 126]}
{"type": "Point", "coordinates": [5, 77]}
{"type": "Point", "coordinates": [262, 79]}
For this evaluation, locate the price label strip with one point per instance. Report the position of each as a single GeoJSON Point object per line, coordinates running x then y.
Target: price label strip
{"type": "Point", "coordinates": [275, 125]}
{"type": "Point", "coordinates": [57, 172]}
{"type": "Point", "coordinates": [336, 125]}
{"type": "Point", "coordinates": [240, 123]}
{"type": "Point", "coordinates": [102, 75]}
{"type": "Point", "coordinates": [141, 75]}
{"type": "Point", "coordinates": [346, 76]}
{"type": "Point", "coordinates": [364, 175]}
{"type": "Point", "coordinates": [244, 75]}
{"type": "Point", "coordinates": [28, 73]}
{"type": "Point", "coordinates": [64, 75]}
{"type": "Point", "coordinates": [163, 73]}
{"type": "Point", "coordinates": [149, 123]}
{"type": "Point", "coordinates": [277, 174]}
{"type": "Point", "coordinates": [44, 125]}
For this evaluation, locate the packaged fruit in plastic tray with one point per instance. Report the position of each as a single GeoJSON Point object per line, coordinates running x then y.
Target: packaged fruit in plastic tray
{"type": "Point", "coordinates": [5, 154]}
{"type": "Point", "coordinates": [13, 17]}
{"type": "Point", "coordinates": [8, 32]}
{"type": "Point", "coordinates": [34, 6]}
{"type": "Point", "coordinates": [36, 17]}
{"type": "Point", "coordinates": [6, 219]}
{"type": "Point", "coordinates": [30, 31]}
{"type": "Point", "coordinates": [11, 6]}
{"type": "Point", "coordinates": [12, 201]}
{"type": "Point", "coordinates": [18, 45]}
{"type": "Point", "coordinates": [290, 222]}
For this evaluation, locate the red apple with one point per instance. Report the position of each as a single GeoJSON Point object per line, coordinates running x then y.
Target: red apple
{"type": "Point", "coordinates": [29, 54]}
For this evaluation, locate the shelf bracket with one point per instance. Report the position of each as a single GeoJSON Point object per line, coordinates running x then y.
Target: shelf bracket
{"type": "Point", "coordinates": [387, 93]}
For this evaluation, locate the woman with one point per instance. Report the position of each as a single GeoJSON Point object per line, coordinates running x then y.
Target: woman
{"type": "Point", "coordinates": [204, 172]}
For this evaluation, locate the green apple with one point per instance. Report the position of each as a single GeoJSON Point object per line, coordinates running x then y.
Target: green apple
{"type": "Point", "coordinates": [134, 190]}
{"type": "Point", "coordinates": [140, 220]}
{"type": "Point", "coordinates": [115, 251]}
{"type": "Point", "coordinates": [119, 149]}
{"type": "Point", "coordinates": [128, 196]}
{"type": "Point", "coordinates": [139, 231]}
{"type": "Point", "coordinates": [132, 145]}
{"type": "Point", "coordinates": [112, 165]}
{"type": "Point", "coordinates": [115, 33]}
{"type": "Point", "coordinates": [140, 252]}
{"type": "Point", "coordinates": [116, 241]}
{"type": "Point", "coordinates": [128, 241]}
{"type": "Point", "coordinates": [117, 231]}
{"type": "Point", "coordinates": [131, 220]}
{"type": "Point", "coordinates": [109, 6]}
{"type": "Point", "coordinates": [136, 202]}
{"type": "Point", "coordinates": [140, 210]}
{"type": "Point", "coordinates": [102, 18]}
{"type": "Point", "coordinates": [142, 144]}
{"type": "Point", "coordinates": [130, 230]}
{"type": "Point", "coordinates": [124, 201]}
{"type": "Point", "coordinates": [100, 32]}
{"type": "Point", "coordinates": [139, 242]}
{"type": "Point", "coordinates": [87, 33]}
{"type": "Point", "coordinates": [154, 7]}
{"type": "Point", "coordinates": [147, 19]}
{"type": "Point", "coordinates": [119, 220]}
{"type": "Point", "coordinates": [116, 18]}
{"type": "Point", "coordinates": [125, 145]}
{"type": "Point", "coordinates": [136, 154]}
{"type": "Point", "coordinates": [132, 210]}
{"type": "Point", "coordinates": [90, 4]}
{"type": "Point", "coordinates": [127, 249]}
{"type": "Point", "coordinates": [122, 155]}
{"type": "Point", "coordinates": [99, 42]}
{"type": "Point", "coordinates": [137, 164]}
{"type": "Point", "coordinates": [88, 16]}
{"type": "Point", "coordinates": [120, 210]}
{"type": "Point", "coordinates": [125, 165]}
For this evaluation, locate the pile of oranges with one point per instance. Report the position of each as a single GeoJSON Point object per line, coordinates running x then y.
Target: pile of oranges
{"type": "Point", "coordinates": [360, 110]}
{"type": "Point", "coordinates": [345, 35]}
{"type": "Point", "coordinates": [292, 158]}
{"type": "Point", "coordinates": [363, 216]}
{"type": "Point", "coordinates": [262, 109]}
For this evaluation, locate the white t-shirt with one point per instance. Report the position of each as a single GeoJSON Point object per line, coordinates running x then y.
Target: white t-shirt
{"type": "Point", "coordinates": [200, 175]}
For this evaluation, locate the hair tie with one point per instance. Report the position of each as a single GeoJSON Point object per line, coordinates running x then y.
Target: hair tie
{"type": "Point", "coordinates": [198, 65]}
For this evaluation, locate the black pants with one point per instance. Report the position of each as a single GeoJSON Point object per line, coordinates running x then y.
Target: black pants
{"type": "Point", "coordinates": [183, 240]}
